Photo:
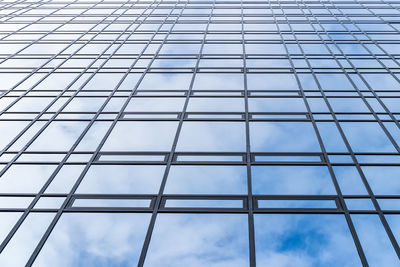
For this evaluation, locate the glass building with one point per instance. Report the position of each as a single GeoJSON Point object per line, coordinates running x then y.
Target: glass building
{"type": "Point", "coordinates": [199, 133]}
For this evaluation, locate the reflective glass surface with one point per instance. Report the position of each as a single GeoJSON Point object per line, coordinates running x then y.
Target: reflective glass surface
{"type": "Point", "coordinates": [199, 133]}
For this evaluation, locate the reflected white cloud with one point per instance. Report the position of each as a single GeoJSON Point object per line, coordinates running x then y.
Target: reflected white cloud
{"type": "Point", "coordinates": [122, 179]}
{"type": "Point", "coordinates": [376, 244]}
{"type": "Point", "coordinates": [292, 180]}
{"type": "Point", "coordinates": [58, 136]}
{"type": "Point", "coordinates": [25, 178]}
{"type": "Point", "coordinates": [141, 136]}
{"type": "Point", "coordinates": [212, 137]}
{"type": "Point", "coordinates": [304, 240]}
{"type": "Point", "coordinates": [24, 241]}
{"type": "Point", "coordinates": [199, 240]}
{"type": "Point", "coordinates": [283, 137]}
{"type": "Point", "coordinates": [207, 180]}
{"type": "Point", "coordinates": [110, 239]}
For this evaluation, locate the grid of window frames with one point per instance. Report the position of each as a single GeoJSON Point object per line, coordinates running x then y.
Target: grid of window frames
{"type": "Point", "coordinates": [199, 133]}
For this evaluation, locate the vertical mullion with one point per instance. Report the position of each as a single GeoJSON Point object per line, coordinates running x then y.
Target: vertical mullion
{"type": "Point", "coordinates": [252, 252]}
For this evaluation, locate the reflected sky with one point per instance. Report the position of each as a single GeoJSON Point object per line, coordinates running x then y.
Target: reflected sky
{"type": "Point", "coordinates": [383, 180]}
{"type": "Point", "coordinates": [283, 137]}
{"type": "Point", "coordinates": [207, 180]}
{"type": "Point", "coordinates": [215, 137]}
{"type": "Point", "coordinates": [292, 180]}
{"type": "Point", "coordinates": [374, 240]}
{"type": "Point", "coordinates": [141, 136]}
{"type": "Point", "coordinates": [367, 137]}
{"type": "Point", "coordinates": [249, 91]}
{"type": "Point", "coordinates": [23, 243]}
{"type": "Point", "coordinates": [122, 179]}
{"type": "Point", "coordinates": [74, 242]}
{"type": "Point", "coordinates": [304, 240]}
{"type": "Point", "coordinates": [25, 178]}
{"type": "Point", "coordinates": [199, 240]}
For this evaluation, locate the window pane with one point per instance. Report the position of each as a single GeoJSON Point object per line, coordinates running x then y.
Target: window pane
{"type": "Point", "coordinates": [199, 240]}
{"type": "Point", "coordinates": [271, 82]}
{"type": "Point", "coordinates": [374, 240]}
{"type": "Point", "coordinates": [110, 239]}
{"type": "Point", "coordinates": [283, 137]}
{"type": "Point", "coordinates": [218, 82]}
{"type": "Point", "coordinates": [206, 180]}
{"type": "Point", "coordinates": [349, 180]}
{"type": "Point", "coordinates": [58, 136]}
{"type": "Point", "coordinates": [141, 136]}
{"type": "Point", "coordinates": [122, 179]}
{"type": "Point", "coordinates": [367, 137]}
{"type": "Point", "coordinates": [212, 137]}
{"type": "Point", "coordinates": [383, 180]}
{"type": "Point", "coordinates": [292, 180]}
{"type": "Point", "coordinates": [304, 240]}
{"type": "Point", "coordinates": [276, 105]}
{"type": "Point", "coordinates": [215, 105]}
{"type": "Point", "coordinates": [25, 178]}
{"type": "Point", "coordinates": [154, 104]}
{"type": "Point", "coordinates": [24, 241]}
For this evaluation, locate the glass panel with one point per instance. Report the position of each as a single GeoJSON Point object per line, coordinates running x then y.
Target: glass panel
{"type": "Point", "coordinates": [381, 81]}
{"type": "Point", "coordinates": [93, 136]}
{"type": "Point", "coordinates": [65, 179]}
{"type": "Point", "coordinates": [24, 241]}
{"type": "Point", "coordinates": [7, 221]}
{"type": "Point", "coordinates": [394, 223]}
{"type": "Point", "coordinates": [9, 130]}
{"type": "Point", "coordinates": [58, 136]}
{"type": "Point", "coordinates": [15, 202]}
{"type": "Point", "coordinates": [206, 180]}
{"type": "Point", "coordinates": [349, 180]}
{"type": "Point", "coordinates": [199, 240]}
{"type": "Point", "coordinates": [122, 179]}
{"type": "Point", "coordinates": [271, 82]}
{"type": "Point", "coordinates": [393, 104]}
{"type": "Point", "coordinates": [112, 203]}
{"type": "Point", "coordinates": [331, 137]}
{"type": "Point", "coordinates": [296, 204]}
{"type": "Point", "coordinates": [334, 82]}
{"type": "Point", "coordinates": [359, 204]}
{"type": "Point", "coordinates": [84, 104]}
{"type": "Point", "coordinates": [276, 105]}
{"type": "Point", "coordinates": [25, 178]}
{"type": "Point", "coordinates": [367, 137]}
{"type": "Point", "coordinates": [110, 239]}
{"type": "Point", "coordinates": [283, 137]}
{"type": "Point", "coordinates": [292, 180]}
{"type": "Point", "coordinates": [50, 203]}
{"type": "Point", "coordinates": [141, 136]}
{"type": "Point", "coordinates": [104, 81]}
{"type": "Point", "coordinates": [304, 240]}
{"type": "Point", "coordinates": [348, 105]}
{"type": "Point", "coordinates": [215, 105]}
{"type": "Point", "coordinates": [374, 240]}
{"type": "Point", "coordinates": [389, 204]}
{"type": "Point", "coordinates": [212, 137]}
{"type": "Point", "coordinates": [31, 104]}
{"type": "Point", "coordinates": [279, 158]}
{"type": "Point", "coordinates": [383, 180]}
{"type": "Point", "coordinates": [165, 81]}
{"type": "Point", "coordinates": [155, 104]}
{"type": "Point", "coordinates": [218, 82]}
{"type": "Point", "coordinates": [204, 203]}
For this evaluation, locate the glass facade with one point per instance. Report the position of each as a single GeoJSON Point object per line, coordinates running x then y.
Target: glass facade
{"type": "Point", "coordinates": [199, 133]}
